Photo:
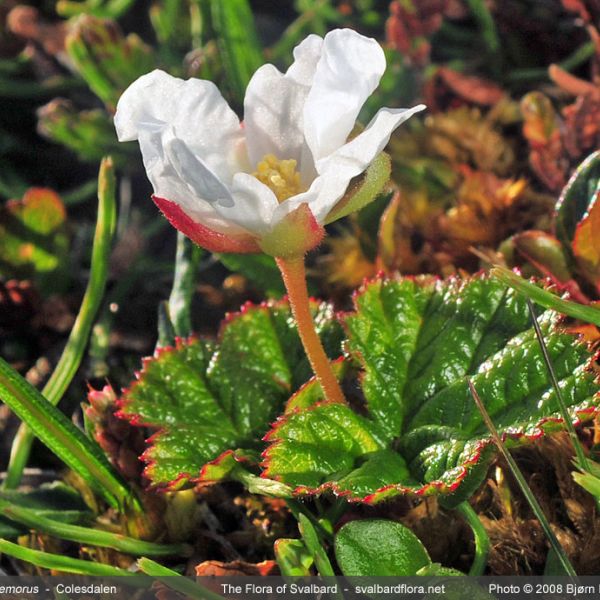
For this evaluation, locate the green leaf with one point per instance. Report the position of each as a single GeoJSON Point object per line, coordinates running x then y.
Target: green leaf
{"type": "Point", "coordinates": [89, 133]}
{"type": "Point", "coordinates": [553, 566]}
{"type": "Point", "coordinates": [209, 399]}
{"type": "Point", "coordinates": [313, 545]}
{"type": "Point", "coordinates": [418, 430]}
{"type": "Point", "coordinates": [184, 283]}
{"type": "Point", "coordinates": [586, 242]}
{"type": "Point", "coordinates": [437, 570]}
{"type": "Point", "coordinates": [576, 197]}
{"type": "Point", "coordinates": [37, 520]}
{"type": "Point", "coordinates": [398, 552]}
{"type": "Point", "coordinates": [453, 587]}
{"type": "Point", "coordinates": [57, 562]}
{"type": "Point", "coordinates": [588, 481]}
{"type": "Point", "coordinates": [587, 313]}
{"type": "Point", "coordinates": [545, 253]}
{"type": "Point", "coordinates": [33, 239]}
{"type": "Point", "coordinates": [105, 58]}
{"type": "Point", "coordinates": [111, 8]}
{"type": "Point", "coordinates": [293, 558]}
{"type": "Point", "coordinates": [176, 581]}
{"type": "Point", "coordinates": [73, 351]}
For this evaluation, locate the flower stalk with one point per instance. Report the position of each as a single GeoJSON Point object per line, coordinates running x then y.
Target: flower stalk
{"type": "Point", "coordinates": [293, 272]}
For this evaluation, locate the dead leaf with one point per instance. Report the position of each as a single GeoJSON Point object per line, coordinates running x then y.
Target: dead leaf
{"type": "Point", "coordinates": [586, 243]}
{"type": "Point", "coordinates": [216, 568]}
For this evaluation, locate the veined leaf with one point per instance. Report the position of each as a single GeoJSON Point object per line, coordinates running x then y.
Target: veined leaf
{"type": "Point", "coordinates": [419, 430]}
{"type": "Point", "coordinates": [207, 400]}
{"type": "Point", "coordinates": [398, 551]}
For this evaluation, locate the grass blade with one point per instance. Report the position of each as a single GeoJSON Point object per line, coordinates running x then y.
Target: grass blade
{"type": "Point", "coordinates": [237, 39]}
{"type": "Point", "coordinates": [186, 266]}
{"type": "Point", "coordinates": [73, 352]}
{"type": "Point", "coordinates": [531, 499]}
{"type": "Point", "coordinates": [57, 562]}
{"type": "Point", "coordinates": [176, 581]}
{"type": "Point", "coordinates": [63, 438]}
{"type": "Point", "coordinates": [482, 541]}
{"type": "Point", "coordinates": [88, 535]}
{"type": "Point", "coordinates": [589, 314]}
{"type": "Point", "coordinates": [581, 457]}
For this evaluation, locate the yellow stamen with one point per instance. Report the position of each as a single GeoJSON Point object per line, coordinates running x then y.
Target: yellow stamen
{"type": "Point", "coordinates": [280, 175]}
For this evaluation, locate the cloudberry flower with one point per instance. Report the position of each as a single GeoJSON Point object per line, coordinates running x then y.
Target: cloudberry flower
{"type": "Point", "coordinates": [270, 183]}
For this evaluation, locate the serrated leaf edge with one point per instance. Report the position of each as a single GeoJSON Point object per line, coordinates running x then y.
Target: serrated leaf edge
{"type": "Point", "coordinates": [437, 485]}
{"type": "Point", "coordinates": [134, 419]}
{"type": "Point", "coordinates": [430, 488]}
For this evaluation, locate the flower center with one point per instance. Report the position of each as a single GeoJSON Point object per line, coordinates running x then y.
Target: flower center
{"type": "Point", "coordinates": [279, 175]}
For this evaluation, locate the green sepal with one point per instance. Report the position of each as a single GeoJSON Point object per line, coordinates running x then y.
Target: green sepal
{"type": "Point", "coordinates": [363, 189]}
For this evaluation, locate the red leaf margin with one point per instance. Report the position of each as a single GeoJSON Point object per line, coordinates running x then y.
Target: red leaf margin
{"type": "Point", "coordinates": [428, 489]}
{"type": "Point", "coordinates": [436, 486]}
{"type": "Point", "coordinates": [133, 418]}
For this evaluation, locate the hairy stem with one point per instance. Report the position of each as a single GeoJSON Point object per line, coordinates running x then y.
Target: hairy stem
{"type": "Point", "coordinates": [294, 278]}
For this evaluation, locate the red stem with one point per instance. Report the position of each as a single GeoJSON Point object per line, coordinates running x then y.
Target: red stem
{"type": "Point", "coordinates": [294, 278]}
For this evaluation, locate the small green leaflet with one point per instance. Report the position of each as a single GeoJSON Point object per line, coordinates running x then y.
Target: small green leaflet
{"type": "Point", "coordinates": [418, 430]}
{"type": "Point", "coordinates": [207, 400]}
{"type": "Point", "coordinates": [397, 553]}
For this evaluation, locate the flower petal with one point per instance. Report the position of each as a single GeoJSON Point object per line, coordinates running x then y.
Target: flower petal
{"type": "Point", "coordinates": [273, 107]}
{"type": "Point", "coordinates": [213, 241]}
{"type": "Point", "coordinates": [336, 170]}
{"type": "Point", "coordinates": [272, 115]}
{"type": "Point", "coordinates": [306, 57]}
{"type": "Point", "coordinates": [176, 174]}
{"type": "Point", "coordinates": [348, 71]}
{"type": "Point", "coordinates": [355, 156]}
{"type": "Point", "coordinates": [253, 206]}
{"type": "Point", "coordinates": [156, 102]}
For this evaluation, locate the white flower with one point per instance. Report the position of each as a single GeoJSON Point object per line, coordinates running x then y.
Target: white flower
{"type": "Point", "coordinates": [236, 187]}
